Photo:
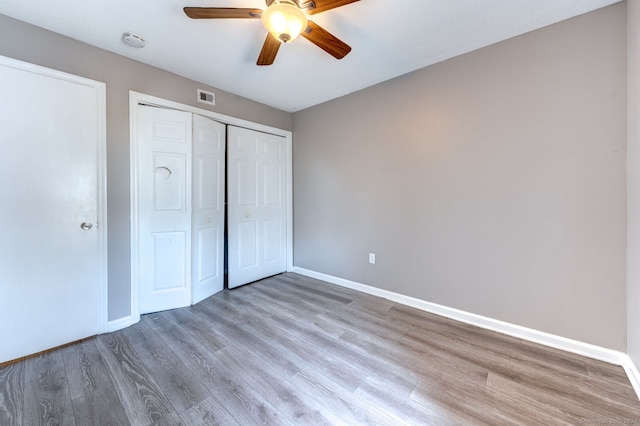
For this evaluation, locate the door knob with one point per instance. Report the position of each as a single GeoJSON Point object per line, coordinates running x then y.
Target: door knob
{"type": "Point", "coordinates": [86, 226]}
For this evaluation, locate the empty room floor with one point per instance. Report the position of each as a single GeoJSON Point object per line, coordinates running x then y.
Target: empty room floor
{"type": "Point", "coordinates": [293, 350]}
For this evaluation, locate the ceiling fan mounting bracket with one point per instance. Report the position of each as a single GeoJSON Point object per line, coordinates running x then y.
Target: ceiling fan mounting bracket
{"type": "Point", "coordinates": [306, 5]}
{"type": "Point", "coordinates": [302, 4]}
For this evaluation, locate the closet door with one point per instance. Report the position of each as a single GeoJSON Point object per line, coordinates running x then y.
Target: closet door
{"type": "Point", "coordinates": [164, 208]}
{"type": "Point", "coordinates": [209, 142]}
{"type": "Point", "coordinates": [256, 205]}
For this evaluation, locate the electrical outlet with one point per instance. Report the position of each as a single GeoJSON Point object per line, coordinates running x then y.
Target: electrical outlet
{"type": "Point", "coordinates": [372, 258]}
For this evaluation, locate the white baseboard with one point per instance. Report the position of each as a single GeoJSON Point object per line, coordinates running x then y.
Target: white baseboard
{"type": "Point", "coordinates": [119, 324]}
{"type": "Point", "coordinates": [547, 339]}
{"type": "Point", "coordinates": [633, 374]}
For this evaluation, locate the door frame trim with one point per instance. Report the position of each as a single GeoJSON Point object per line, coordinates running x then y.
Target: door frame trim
{"type": "Point", "coordinates": [137, 98]}
{"type": "Point", "coordinates": [101, 169]}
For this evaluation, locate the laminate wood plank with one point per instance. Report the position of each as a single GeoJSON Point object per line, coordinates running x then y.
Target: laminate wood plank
{"type": "Point", "coordinates": [383, 394]}
{"type": "Point", "coordinates": [317, 348]}
{"type": "Point", "coordinates": [592, 384]}
{"type": "Point", "coordinates": [323, 291]}
{"type": "Point", "coordinates": [518, 395]}
{"type": "Point", "coordinates": [84, 368]}
{"type": "Point", "coordinates": [291, 301]}
{"type": "Point", "coordinates": [454, 349]}
{"type": "Point", "coordinates": [303, 344]}
{"type": "Point", "coordinates": [572, 389]}
{"type": "Point", "coordinates": [414, 365]}
{"type": "Point", "coordinates": [209, 412]}
{"type": "Point", "coordinates": [47, 400]}
{"type": "Point", "coordinates": [94, 398]}
{"type": "Point", "coordinates": [363, 301]}
{"type": "Point", "coordinates": [100, 407]}
{"type": "Point", "coordinates": [613, 374]}
{"type": "Point", "coordinates": [283, 308]}
{"type": "Point", "coordinates": [354, 319]}
{"type": "Point", "coordinates": [237, 396]}
{"type": "Point", "coordinates": [178, 384]}
{"type": "Point", "coordinates": [208, 333]}
{"type": "Point", "coordinates": [343, 354]}
{"type": "Point", "coordinates": [12, 383]}
{"type": "Point", "coordinates": [481, 403]}
{"type": "Point", "coordinates": [172, 418]}
{"type": "Point", "coordinates": [476, 407]}
{"type": "Point", "coordinates": [460, 345]}
{"type": "Point", "coordinates": [252, 337]}
{"type": "Point", "coordinates": [376, 306]}
{"type": "Point", "coordinates": [263, 377]}
{"type": "Point", "coordinates": [317, 298]}
{"type": "Point", "coordinates": [267, 306]}
{"type": "Point", "coordinates": [549, 358]}
{"type": "Point", "coordinates": [432, 365]}
{"type": "Point", "coordinates": [142, 399]}
{"type": "Point", "coordinates": [339, 404]}
{"type": "Point", "coordinates": [422, 358]}
{"type": "Point", "coordinates": [419, 322]}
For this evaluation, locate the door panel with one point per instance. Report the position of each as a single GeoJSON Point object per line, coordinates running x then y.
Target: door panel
{"type": "Point", "coordinates": [209, 182]}
{"type": "Point", "coordinates": [164, 208]}
{"type": "Point", "coordinates": [247, 242]}
{"type": "Point", "coordinates": [208, 210]}
{"type": "Point", "coordinates": [256, 205]}
{"type": "Point", "coordinates": [169, 261]}
{"type": "Point", "coordinates": [169, 182]}
{"type": "Point", "coordinates": [51, 131]}
{"type": "Point", "coordinates": [273, 231]}
{"type": "Point", "coordinates": [207, 248]}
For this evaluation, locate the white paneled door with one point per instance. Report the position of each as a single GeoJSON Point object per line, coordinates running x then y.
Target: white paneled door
{"type": "Point", "coordinates": [256, 205]}
{"type": "Point", "coordinates": [52, 252]}
{"type": "Point", "coordinates": [209, 144]}
{"type": "Point", "coordinates": [164, 208]}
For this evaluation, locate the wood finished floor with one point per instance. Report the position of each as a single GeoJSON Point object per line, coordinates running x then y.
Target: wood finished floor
{"type": "Point", "coordinates": [293, 350]}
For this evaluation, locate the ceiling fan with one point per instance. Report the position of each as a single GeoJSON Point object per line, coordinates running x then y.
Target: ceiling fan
{"type": "Point", "coordinates": [285, 20]}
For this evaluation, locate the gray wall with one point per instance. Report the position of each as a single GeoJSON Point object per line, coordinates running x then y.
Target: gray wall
{"type": "Point", "coordinates": [493, 182]}
{"type": "Point", "coordinates": [633, 181]}
{"type": "Point", "coordinates": [36, 45]}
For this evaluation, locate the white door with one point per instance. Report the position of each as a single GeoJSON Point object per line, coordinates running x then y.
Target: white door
{"type": "Point", "coordinates": [256, 205]}
{"type": "Point", "coordinates": [164, 208]}
{"type": "Point", "coordinates": [209, 142]}
{"type": "Point", "coordinates": [52, 135]}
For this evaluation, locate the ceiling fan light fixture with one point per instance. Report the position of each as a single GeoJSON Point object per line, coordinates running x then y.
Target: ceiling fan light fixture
{"type": "Point", "coordinates": [284, 20]}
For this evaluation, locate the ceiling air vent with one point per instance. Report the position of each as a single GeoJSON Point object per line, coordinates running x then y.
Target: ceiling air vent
{"type": "Point", "coordinates": [206, 97]}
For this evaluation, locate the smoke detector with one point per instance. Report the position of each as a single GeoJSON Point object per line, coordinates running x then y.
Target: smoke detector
{"type": "Point", "coordinates": [133, 40]}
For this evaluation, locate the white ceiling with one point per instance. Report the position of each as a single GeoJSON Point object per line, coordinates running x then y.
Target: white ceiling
{"type": "Point", "coordinates": [389, 38]}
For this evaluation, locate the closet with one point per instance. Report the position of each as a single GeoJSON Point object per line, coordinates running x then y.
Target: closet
{"type": "Point", "coordinates": [205, 191]}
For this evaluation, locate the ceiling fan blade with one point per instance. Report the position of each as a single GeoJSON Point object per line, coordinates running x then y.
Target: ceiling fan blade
{"type": "Point", "coordinates": [269, 51]}
{"type": "Point", "coordinates": [317, 6]}
{"type": "Point", "coordinates": [325, 40]}
{"type": "Point", "coordinates": [222, 12]}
